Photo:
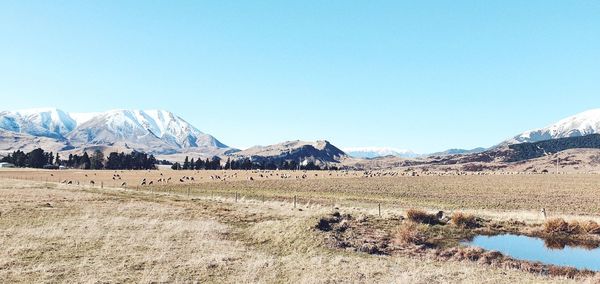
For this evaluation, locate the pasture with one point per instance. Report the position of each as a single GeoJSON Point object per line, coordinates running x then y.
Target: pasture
{"type": "Point", "coordinates": [235, 229]}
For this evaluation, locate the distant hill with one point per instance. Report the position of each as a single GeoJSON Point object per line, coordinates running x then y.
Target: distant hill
{"type": "Point", "coordinates": [319, 152]}
{"type": "Point", "coordinates": [526, 151]}
{"type": "Point", "coordinates": [458, 152]}
{"type": "Point", "coordinates": [375, 152]}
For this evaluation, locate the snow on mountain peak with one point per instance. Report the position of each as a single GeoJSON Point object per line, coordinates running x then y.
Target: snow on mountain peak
{"type": "Point", "coordinates": [373, 152]}
{"type": "Point", "coordinates": [584, 123]}
{"type": "Point", "coordinates": [48, 122]}
{"type": "Point", "coordinates": [157, 129]}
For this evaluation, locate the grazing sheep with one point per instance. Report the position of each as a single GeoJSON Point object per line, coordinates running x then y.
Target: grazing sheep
{"type": "Point", "coordinates": [92, 182]}
{"type": "Point", "coordinates": [150, 183]}
{"type": "Point", "coordinates": [70, 182]}
{"type": "Point", "coordinates": [124, 184]}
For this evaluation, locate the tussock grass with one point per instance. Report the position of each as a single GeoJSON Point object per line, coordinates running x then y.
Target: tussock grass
{"type": "Point", "coordinates": [464, 220]}
{"type": "Point", "coordinates": [411, 233]}
{"type": "Point", "coordinates": [591, 227]}
{"type": "Point", "coordinates": [112, 235]}
{"type": "Point", "coordinates": [420, 216]}
{"type": "Point", "coordinates": [560, 226]}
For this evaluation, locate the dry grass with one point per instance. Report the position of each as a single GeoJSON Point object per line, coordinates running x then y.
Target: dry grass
{"type": "Point", "coordinates": [559, 194]}
{"type": "Point", "coordinates": [560, 226]}
{"type": "Point", "coordinates": [411, 233]}
{"type": "Point", "coordinates": [591, 227]}
{"type": "Point", "coordinates": [464, 220]}
{"type": "Point", "coordinates": [65, 234]}
{"type": "Point", "coordinates": [420, 216]}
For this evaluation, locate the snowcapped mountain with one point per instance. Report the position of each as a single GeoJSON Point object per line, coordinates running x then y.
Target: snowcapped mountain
{"type": "Point", "coordinates": [52, 123]}
{"type": "Point", "coordinates": [581, 124]}
{"type": "Point", "coordinates": [458, 152]}
{"type": "Point", "coordinates": [374, 152]}
{"type": "Point", "coordinates": [153, 131]}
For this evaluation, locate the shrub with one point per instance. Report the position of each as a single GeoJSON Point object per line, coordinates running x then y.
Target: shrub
{"type": "Point", "coordinates": [420, 216]}
{"type": "Point", "coordinates": [463, 220]}
{"type": "Point", "coordinates": [411, 233]}
{"type": "Point", "coordinates": [560, 226]}
{"type": "Point", "coordinates": [555, 225]}
{"type": "Point", "coordinates": [591, 227]}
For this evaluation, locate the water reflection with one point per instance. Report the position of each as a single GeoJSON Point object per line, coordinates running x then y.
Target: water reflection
{"type": "Point", "coordinates": [552, 251]}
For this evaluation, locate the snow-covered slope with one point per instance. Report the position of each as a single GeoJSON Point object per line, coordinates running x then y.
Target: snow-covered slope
{"type": "Point", "coordinates": [153, 127]}
{"type": "Point", "coordinates": [581, 124]}
{"type": "Point", "coordinates": [457, 152]}
{"type": "Point", "coordinates": [374, 152]}
{"type": "Point", "coordinates": [53, 123]}
{"type": "Point", "coordinates": [154, 131]}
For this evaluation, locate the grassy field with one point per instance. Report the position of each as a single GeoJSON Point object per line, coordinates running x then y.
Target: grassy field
{"type": "Point", "coordinates": [572, 194]}
{"type": "Point", "coordinates": [54, 232]}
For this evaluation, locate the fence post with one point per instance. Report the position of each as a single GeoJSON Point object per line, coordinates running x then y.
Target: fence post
{"type": "Point", "coordinates": [236, 196]}
{"type": "Point", "coordinates": [102, 184]}
{"type": "Point", "coordinates": [294, 201]}
{"type": "Point", "coordinates": [379, 206]}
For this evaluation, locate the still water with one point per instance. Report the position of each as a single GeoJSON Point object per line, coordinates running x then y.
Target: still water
{"type": "Point", "coordinates": [536, 249]}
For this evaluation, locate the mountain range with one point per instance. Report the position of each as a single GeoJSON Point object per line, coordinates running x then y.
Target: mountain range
{"type": "Point", "coordinates": [581, 124]}
{"type": "Point", "coordinates": [167, 135]}
{"type": "Point", "coordinates": [152, 131]}
{"type": "Point", "coordinates": [374, 152]}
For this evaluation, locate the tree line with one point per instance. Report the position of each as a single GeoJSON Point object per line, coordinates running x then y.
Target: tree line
{"type": "Point", "coordinates": [214, 163]}
{"type": "Point", "coordinates": [38, 158]}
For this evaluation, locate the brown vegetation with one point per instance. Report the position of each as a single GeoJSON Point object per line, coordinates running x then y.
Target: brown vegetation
{"type": "Point", "coordinates": [171, 236]}
{"type": "Point", "coordinates": [562, 194]}
{"type": "Point", "coordinates": [411, 233]}
{"type": "Point", "coordinates": [464, 220]}
{"type": "Point", "coordinates": [420, 216]}
{"type": "Point", "coordinates": [560, 226]}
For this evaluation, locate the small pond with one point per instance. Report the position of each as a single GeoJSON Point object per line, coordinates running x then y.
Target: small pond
{"type": "Point", "coordinates": [536, 249]}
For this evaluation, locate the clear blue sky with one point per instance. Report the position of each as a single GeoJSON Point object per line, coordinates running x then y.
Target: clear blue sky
{"type": "Point", "coordinates": [420, 75]}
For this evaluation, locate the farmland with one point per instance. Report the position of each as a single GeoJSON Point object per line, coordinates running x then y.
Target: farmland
{"type": "Point", "coordinates": [248, 228]}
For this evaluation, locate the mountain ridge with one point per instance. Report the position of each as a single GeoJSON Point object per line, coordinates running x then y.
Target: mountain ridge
{"type": "Point", "coordinates": [153, 131]}
{"type": "Point", "coordinates": [375, 152]}
{"type": "Point", "coordinates": [581, 124]}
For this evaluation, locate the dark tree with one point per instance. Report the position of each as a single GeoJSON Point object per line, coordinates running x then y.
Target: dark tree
{"type": "Point", "coordinates": [85, 162]}
{"type": "Point", "coordinates": [37, 158]}
{"type": "Point", "coordinates": [186, 163]}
